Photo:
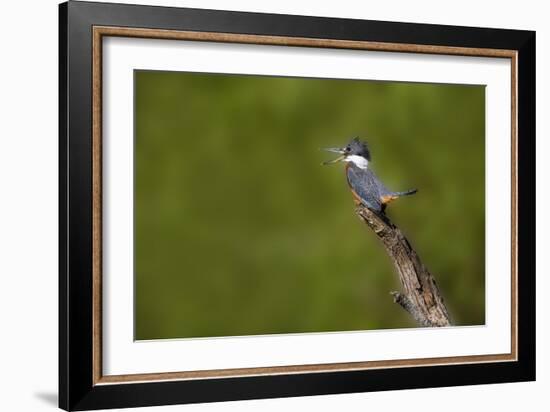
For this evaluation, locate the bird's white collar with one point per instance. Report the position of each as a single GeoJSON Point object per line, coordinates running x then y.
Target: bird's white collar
{"type": "Point", "coordinates": [358, 161]}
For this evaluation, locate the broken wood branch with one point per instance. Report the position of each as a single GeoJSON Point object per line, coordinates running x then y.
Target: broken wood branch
{"type": "Point", "coordinates": [420, 297]}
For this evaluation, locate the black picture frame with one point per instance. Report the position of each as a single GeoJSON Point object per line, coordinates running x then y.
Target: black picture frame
{"type": "Point", "coordinates": [77, 390]}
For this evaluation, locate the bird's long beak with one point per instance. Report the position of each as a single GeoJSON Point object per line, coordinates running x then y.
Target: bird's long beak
{"type": "Point", "coordinates": [334, 150]}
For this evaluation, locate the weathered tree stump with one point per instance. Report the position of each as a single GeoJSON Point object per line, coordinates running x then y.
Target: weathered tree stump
{"type": "Point", "coordinates": [420, 297]}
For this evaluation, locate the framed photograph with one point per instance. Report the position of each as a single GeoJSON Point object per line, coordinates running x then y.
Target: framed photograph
{"type": "Point", "coordinates": [210, 251]}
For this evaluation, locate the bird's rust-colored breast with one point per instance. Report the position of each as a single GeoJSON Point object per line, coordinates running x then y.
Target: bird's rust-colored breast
{"type": "Point", "coordinates": [387, 199]}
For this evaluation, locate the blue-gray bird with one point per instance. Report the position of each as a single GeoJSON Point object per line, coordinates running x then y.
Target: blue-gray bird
{"type": "Point", "coordinates": [365, 186]}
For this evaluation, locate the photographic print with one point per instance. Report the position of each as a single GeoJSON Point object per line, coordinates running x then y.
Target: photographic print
{"type": "Point", "coordinates": [240, 229]}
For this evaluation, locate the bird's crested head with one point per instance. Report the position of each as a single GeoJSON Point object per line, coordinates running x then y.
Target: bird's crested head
{"type": "Point", "coordinates": [355, 151]}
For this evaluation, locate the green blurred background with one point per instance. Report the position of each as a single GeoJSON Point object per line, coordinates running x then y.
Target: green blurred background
{"type": "Point", "coordinates": [240, 231]}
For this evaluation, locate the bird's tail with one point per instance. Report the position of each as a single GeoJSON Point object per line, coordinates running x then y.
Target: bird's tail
{"type": "Point", "coordinates": [406, 193]}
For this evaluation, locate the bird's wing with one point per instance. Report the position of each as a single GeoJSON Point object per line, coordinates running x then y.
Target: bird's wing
{"type": "Point", "coordinates": [364, 184]}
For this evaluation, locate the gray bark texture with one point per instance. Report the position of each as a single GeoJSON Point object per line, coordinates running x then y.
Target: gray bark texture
{"type": "Point", "coordinates": [420, 296]}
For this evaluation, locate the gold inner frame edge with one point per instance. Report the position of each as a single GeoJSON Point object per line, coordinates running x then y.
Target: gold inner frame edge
{"type": "Point", "coordinates": [97, 345]}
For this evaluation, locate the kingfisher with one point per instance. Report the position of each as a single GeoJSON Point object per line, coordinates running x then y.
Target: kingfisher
{"type": "Point", "coordinates": [366, 188]}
